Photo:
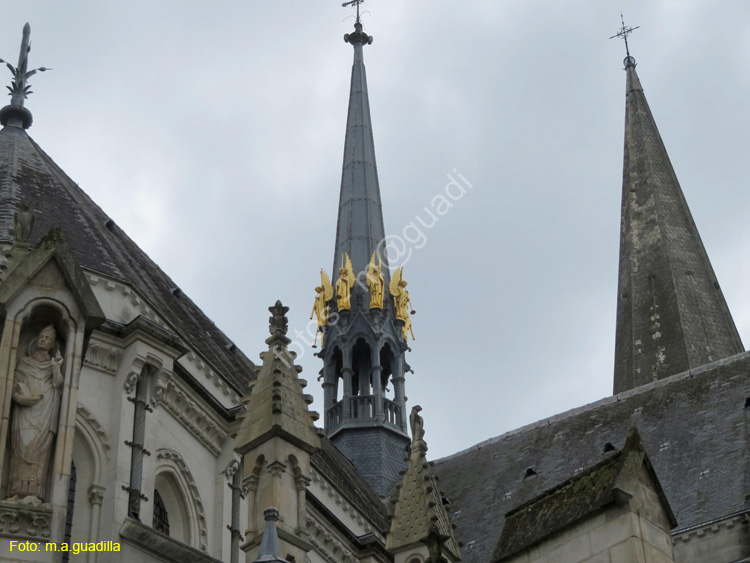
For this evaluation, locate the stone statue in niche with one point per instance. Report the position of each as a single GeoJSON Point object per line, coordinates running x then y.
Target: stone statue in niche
{"type": "Point", "coordinates": [36, 404]}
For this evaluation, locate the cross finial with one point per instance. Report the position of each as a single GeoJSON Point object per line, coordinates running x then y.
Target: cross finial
{"type": "Point", "coordinates": [624, 32]}
{"type": "Point", "coordinates": [353, 3]}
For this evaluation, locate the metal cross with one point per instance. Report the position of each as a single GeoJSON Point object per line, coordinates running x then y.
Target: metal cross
{"type": "Point", "coordinates": [353, 3]}
{"type": "Point", "coordinates": [624, 32]}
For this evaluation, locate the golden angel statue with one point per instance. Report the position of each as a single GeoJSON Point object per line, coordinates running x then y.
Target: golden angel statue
{"type": "Point", "coordinates": [375, 282]}
{"type": "Point", "coordinates": [344, 284]}
{"type": "Point", "coordinates": [323, 295]}
{"type": "Point", "coordinates": [401, 300]}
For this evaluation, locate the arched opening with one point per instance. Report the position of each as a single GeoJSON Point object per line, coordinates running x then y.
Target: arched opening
{"type": "Point", "coordinates": [172, 507]}
{"type": "Point", "coordinates": [361, 364]}
{"type": "Point", "coordinates": [338, 362]}
{"type": "Point", "coordinates": [386, 361]}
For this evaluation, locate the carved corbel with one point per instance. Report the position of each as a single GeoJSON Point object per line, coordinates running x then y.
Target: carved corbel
{"type": "Point", "coordinates": [136, 369]}
{"type": "Point", "coordinates": [162, 381]}
{"type": "Point", "coordinates": [231, 469]}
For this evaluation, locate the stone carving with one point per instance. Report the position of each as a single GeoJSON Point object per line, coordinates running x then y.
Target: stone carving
{"type": "Point", "coordinates": [84, 413]}
{"type": "Point", "coordinates": [130, 382]}
{"type": "Point", "coordinates": [104, 357]}
{"type": "Point", "coordinates": [231, 469]}
{"type": "Point", "coordinates": [328, 546]}
{"type": "Point", "coordinates": [96, 494]}
{"type": "Point", "coordinates": [417, 424]}
{"type": "Point", "coordinates": [23, 224]}
{"type": "Point", "coordinates": [25, 521]}
{"type": "Point", "coordinates": [195, 418]}
{"type": "Point", "coordinates": [36, 403]}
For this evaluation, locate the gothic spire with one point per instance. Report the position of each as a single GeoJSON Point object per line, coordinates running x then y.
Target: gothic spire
{"type": "Point", "coordinates": [359, 231]}
{"type": "Point", "coordinates": [364, 337]}
{"type": "Point", "coordinates": [671, 313]}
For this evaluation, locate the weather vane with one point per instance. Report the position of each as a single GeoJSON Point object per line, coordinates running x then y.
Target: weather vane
{"type": "Point", "coordinates": [624, 33]}
{"type": "Point", "coordinates": [19, 89]}
{"type": "Point", "coordinates": [353, 3]}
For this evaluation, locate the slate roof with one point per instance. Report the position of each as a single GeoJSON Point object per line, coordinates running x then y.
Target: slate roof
{"type": "Point", "coordinates": [694, 426]}
{"type": "Point", "coordinates": [27, 173]}
{"type": "Point", "coordinates": [337, 468]}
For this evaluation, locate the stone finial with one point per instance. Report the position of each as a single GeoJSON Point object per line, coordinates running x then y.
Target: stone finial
{"type": "Point", "coordinates": [270, 549]}
{"type": "Point", "coordinates": [23, 224]}
{"type": "Point", "coordinates": [278, 325]}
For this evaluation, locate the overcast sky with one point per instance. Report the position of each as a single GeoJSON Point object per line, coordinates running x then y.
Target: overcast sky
{"type": "Point", "coordinates": [212, 133]}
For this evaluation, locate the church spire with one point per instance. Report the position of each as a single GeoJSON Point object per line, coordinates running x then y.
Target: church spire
{"type": "Point", "coordinates": [359, 231]}
{"type": "Point", "coordinates": [367, 322]}
{"type": "Point", "coordinates": [671, 313]}
{"type": "Point", "coordinates": [15, 114]}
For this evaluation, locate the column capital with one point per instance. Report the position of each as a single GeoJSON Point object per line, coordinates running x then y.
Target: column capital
{"type": "Point", "coordinates": [96, 494]}
{"type": "Point", "coordinates": [250, 484]}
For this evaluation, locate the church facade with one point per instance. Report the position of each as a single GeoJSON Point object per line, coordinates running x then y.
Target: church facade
{"type": "Point", "coordinates": [133, 429]}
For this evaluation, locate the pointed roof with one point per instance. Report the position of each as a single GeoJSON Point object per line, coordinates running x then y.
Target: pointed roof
{"type": "Point", "coordinates": [671, 313]}
{"type": "Point", "coordinates": [270, 549]}
{"type": "Point", "coordinates": [419, 516]}
{"type": "Point", "coordinates": [28, 174]}
{"type": "Point", "coordinates": [359, 230]}
{"type": "Point", "coordinates": [276, 405]}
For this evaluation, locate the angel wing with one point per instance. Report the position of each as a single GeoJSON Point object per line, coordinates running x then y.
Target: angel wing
{"type": "Point", "coordinates": [394, 286]}
{"type": "Point", "coordinates": [325, 283]}
{"type": "Point", "coordinates": [349, 270]}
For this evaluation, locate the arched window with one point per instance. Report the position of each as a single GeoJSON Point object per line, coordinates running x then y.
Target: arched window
{"type": "Point", "coordinates": [173, 508]}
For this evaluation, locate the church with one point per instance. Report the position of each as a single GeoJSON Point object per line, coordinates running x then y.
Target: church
{"type": "Point", "coordinates": [133, 429]}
